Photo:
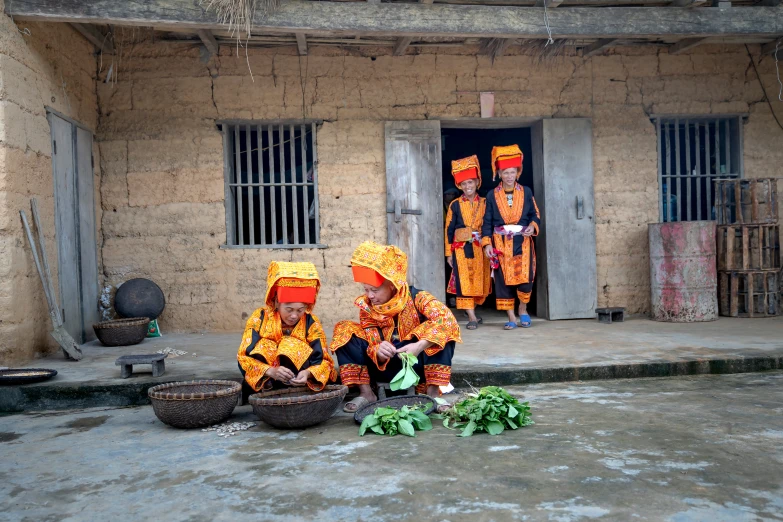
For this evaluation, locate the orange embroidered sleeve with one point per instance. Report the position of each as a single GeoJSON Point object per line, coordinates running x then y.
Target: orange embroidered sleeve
{"type": "Point", "coordinates": [324, 372]}
{"type": "Point", "coordinates": [252, 367]}
{"type": "Point", "coordinates": [343, 332]}
{"type": "Point", "coordinates": [449, 217]}
{"type": "Point", "coordinates": [372, 351]}
{"type": "Point", "coordinates": [440, 327]}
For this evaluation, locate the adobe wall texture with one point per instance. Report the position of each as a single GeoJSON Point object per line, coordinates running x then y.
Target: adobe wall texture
{"type": "Point", "coordinates": [40, 65]}
{"type": "Point", "coordinates": [162, 159]}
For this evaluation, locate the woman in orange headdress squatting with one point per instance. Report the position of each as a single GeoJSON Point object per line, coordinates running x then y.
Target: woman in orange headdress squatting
{"type": "Point", "coordinates": [471, 276]}
{"type": "Point", "coordinates": [284, 343]}
{"type": "Point", "coordinates": [393, 318]}
{"type": "Point", "coordinates": [511, 246]}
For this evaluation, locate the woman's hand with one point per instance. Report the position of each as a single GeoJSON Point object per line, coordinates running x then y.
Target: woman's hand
{"type": "Point", "coordinates": [488, 251]}
{"type": "Point", "coordinates": [301, 378]}
{"type": "Point", "coordinates": [528, 231]}
{"type": "Point", "coordinates": [450, 261]}
{"type": "Point", "coordinates": [279, 373]}
{"type": "Point", "coordinates": [415, 348]}
{"type": "Point", "coordinates": [386, 351]}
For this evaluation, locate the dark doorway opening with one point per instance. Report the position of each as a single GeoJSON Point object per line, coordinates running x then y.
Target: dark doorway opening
{"type": "Point", "coordinates": [461, 143]}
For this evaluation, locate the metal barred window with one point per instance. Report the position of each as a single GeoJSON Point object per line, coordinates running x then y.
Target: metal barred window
{"type": "Point", "coordinates": [271, 184]}
{"type": "Point", "coordinates": [692, 153]}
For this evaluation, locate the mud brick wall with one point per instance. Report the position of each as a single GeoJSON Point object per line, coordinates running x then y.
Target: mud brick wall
{"type": "Point", "coordinates": [162, 159]}
{"type": "Point", "coordinates": [40, 65]}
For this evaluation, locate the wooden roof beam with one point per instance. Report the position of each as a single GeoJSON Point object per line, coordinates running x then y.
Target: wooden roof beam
{"type": "Point", "coordinates": [209, 41]}
{"type": "Point", "coordinates": [686, 44]}
{"type": "Point", "coordinates": [415, 20]}
{"type": "Point", "coordinates": [404, 41]}
{"type": "Point", "coordinates": [301, 44]}
{"type": "Point", "coordinates": [101, 41]}
{"type": "Point", "coordinates": [598, 46]}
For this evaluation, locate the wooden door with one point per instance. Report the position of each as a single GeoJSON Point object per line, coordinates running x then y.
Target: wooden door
{"type": "Point", "coordinates": [414, 200]}
{"type": "Point", "coordinates": [74, 206]}
{"type": "Point", "coordinates": [564, 191]}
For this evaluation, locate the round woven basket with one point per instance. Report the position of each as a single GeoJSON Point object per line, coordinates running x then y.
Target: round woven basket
{"type": "Point", "coordinates": [297, 407]}
{"type": "Point", "coordinates": [194, 404]}
{"type": "Point", "coordinates": [122, 332]}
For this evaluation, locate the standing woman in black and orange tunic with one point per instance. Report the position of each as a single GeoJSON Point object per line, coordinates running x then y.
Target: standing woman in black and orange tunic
{"type": "Point", "coordinates": [470, 279]}
{"type": "Point", "coordinates": [510, 222]}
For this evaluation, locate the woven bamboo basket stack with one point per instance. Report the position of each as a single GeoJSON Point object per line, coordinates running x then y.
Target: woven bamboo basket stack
{"type": "Point", "coordinates": [749, 269]}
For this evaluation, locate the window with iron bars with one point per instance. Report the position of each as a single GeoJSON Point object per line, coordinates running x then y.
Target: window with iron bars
{"type": "Point", "coordinates": [271, 184]}
{"type": "Point", "coordinates": [693, 152]}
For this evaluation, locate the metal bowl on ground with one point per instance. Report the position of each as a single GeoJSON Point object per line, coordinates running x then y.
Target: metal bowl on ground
{"type": "Point", "coordinates": [139, 298]}
{"type": "Point", "coordinates": [194, 404]}
{"type": "Point", "coordinates": [425, 403]}
{"type": "Point", "coordinates": [122, 332]}
{"type": "Point", "coordinates": [25, 375]}
{"type": "Point", "coordinates": [297, 407]}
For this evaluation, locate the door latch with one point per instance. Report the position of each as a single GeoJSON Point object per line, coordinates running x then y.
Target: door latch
{"type": "Point", "coordinates": [580, 207]}
{"type": "Point", "coordinates": [398, 211]}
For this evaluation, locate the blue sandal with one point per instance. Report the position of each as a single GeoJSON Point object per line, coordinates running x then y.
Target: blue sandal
{"type": "Point", "coordinates": [509, 326]}
{"type": "Point", "coordinates": [525, 322]}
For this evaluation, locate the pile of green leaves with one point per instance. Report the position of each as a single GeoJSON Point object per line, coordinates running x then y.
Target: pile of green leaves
{"type": "Point", "coordinates": [391, 421]}
{"type": "Point", "coordinates": [492, 410]}
{"type": "Point", "coordinates": [406, 377]}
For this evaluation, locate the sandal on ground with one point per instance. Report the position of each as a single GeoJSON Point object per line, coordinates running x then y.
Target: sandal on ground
{"type": "Point", "coordinates": [472, 325]}
{"type": "Point", "coordinates": [479, 320]}
{"type": "Point", "coordinates": [509, 326]}
{"type": "Point", "coordinates": [357, 402]}
{"type": "Point", "coordinates": [525, 322]}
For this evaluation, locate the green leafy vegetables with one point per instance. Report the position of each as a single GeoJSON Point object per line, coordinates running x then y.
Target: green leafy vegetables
{"type": "Point", "coordinates": [391, 421]}
{"type": "Point", "coordinates": [406, 377]}
{"type": "Point", "coordinates": [492, 409]}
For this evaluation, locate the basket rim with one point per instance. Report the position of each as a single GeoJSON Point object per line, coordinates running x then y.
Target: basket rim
{"type": "Point", "coordinates": [122, 323]}
{"type": "Point", "coordinates": [159, 392]}
{"type": "Point", "coordinates": [10, 372]}
{"type": "Point", "coordinates": [273, 397]}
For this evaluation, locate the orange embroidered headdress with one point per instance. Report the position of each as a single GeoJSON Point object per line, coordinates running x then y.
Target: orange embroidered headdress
{"type": "Point", "coordinates": [505, 158]}
{"type": "Point", "coordinates": [466, 168]}
{"type": "Point", "coordinates": [372, 263]}
{"type": "Point", "coordinates": [292, 283]}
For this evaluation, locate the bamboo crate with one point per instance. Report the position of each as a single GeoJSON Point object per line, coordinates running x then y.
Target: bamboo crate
{"type": "Point", "coordinates": [757, 198]}
{"type": "Point", "coordinates": [749, 294]}
{"type": "Point", "coordinates": [748, 247]}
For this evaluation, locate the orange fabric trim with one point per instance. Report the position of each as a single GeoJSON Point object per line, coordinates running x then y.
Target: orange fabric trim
{"type": "Point", "coordinates": [466, 303]}
{"type": "Point", "coordinates": [504, 304]}
{"type": "Point", "coordinates": [372, 352]}
{"type": "Point", "coordinates": [354, 374]}
{"type": "Point", "coordinates": [362, 274]}
{"type": "Point", "coordinates": [437, 374]}
{"type": "Point", "coordinates": [524, 297]}
{"type": "Point", "coordinates": [296, 295]}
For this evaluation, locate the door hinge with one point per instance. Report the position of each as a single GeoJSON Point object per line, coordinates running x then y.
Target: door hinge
{"type": "Point", "coordinates": [398, 211]}
{"type": "Point", "coordinates": [580, 207]}
{"type": "Point", "coordinates": [54, 145]}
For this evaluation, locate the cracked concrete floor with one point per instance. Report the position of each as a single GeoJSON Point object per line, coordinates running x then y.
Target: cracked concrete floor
{"type": "Point", "coordinates": [704, 448]}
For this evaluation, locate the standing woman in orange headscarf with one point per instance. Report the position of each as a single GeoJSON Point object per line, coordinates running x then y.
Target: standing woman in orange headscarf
{"type": "Point", "coordinates": [470, 279]}
{"type": "Point", "coordinates": [284, 343]}
{"type": "Point", "coordinates": [510, 222]}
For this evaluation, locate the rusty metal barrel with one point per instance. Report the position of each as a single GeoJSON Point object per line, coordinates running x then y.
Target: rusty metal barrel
{"type": "Point", "coordinates": [683, 273]}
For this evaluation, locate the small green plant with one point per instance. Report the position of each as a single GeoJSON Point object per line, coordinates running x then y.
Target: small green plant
{"type": "Point", "coordinates": [391, 421]}
{"type": "Point", "coordinates": [491, 409]}
{"type": "Point", "coordinates": [406, 377]}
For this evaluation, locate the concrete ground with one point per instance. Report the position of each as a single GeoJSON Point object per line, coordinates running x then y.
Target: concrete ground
{"type": "Point", "coordinates": [703, 448]}
{"type": "Point", "coordinates": [548, 352]}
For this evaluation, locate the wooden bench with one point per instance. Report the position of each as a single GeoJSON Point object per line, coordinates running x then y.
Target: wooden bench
{"type": "Point", "coordinates": [126, 363]}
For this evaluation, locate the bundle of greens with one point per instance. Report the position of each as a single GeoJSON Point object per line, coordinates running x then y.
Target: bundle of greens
{"type": "Point", "coordinates": [406, 377]}
{"type": "Point", "coordinates": [492, 409]}
{"type": "Point", "coordinates": [391, 421]}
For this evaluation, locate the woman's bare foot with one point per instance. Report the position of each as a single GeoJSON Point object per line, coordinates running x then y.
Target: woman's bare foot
{"type": "Point", "coordinates": [365, 390]}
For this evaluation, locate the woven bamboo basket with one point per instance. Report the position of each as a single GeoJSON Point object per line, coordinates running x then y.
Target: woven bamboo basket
{"type": "Point", "coordinates": [122, 332]}
{"type": "Point", "coordinates": [194, 404]}
{"type": "Point", "coordinates": [297, 407]}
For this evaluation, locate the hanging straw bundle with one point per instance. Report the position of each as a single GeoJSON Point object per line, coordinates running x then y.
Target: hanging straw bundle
{"type": "Point", "coordinates": [238, 14]}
